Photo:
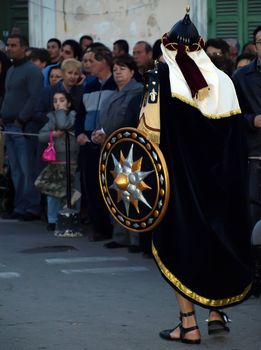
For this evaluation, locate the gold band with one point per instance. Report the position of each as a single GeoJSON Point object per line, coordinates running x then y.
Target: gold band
{"type": "Point", "coordinates": [207, 115]}
{"type": "Point", "coordinates": [194, 296]}
{"type": "Point", "coordinates": [174, 46]}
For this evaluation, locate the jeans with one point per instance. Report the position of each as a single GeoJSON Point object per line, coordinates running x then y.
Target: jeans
{"type": "Point", "coordinates": [54, 204]}
{"type": "Point", "coordinates": [53, 208]}
{"type": "Point", "coordinates": [22, 159]}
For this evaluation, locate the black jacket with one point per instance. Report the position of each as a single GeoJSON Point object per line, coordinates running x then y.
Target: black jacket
{"type": "Point", "coordinates": [247, 82]}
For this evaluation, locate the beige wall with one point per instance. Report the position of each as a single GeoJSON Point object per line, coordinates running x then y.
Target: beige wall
{"type": "Point", "coordinates": [109, 20]}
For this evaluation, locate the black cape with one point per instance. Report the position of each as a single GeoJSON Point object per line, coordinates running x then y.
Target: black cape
{"type": "Point", "coordinates": [203, 245]}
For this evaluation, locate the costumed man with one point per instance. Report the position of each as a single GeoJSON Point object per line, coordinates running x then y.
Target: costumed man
{"type": "Point", "coordinates": [202, 246]}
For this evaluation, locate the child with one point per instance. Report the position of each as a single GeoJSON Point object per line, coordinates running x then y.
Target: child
{"type": "Point", "coordinates": [52, 180]}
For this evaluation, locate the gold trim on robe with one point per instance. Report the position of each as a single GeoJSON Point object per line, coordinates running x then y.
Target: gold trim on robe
{"type": "Point", "coordinates": [210, 116]}
{"type": "Point", "coordinates": [194, 296]}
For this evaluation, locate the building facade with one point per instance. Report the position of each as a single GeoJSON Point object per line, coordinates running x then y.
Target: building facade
{"type": "Point", "coordinates": [109, 20]}
{"type": "Point", "coordinates": [105, 20]}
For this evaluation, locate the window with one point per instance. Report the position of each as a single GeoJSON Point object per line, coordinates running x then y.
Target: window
{"type": "Point", "coordinates": [234, 19]}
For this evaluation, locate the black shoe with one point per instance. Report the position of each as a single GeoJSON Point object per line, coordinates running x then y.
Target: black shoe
{"type": "Point", "coordinates": [134, 249]}
{"type": "Point", "coordinates": [97, 237]}
{"type": "Point", "coordinates": [85, 220]}
{"type": "Point", "coordinates": [147, 255]}
{"type": "Point", "coordinates": [183, 331]}
{"type": "Point", "coordinates": [30, 217]}
{"type": "Point", "coordinates": [51, 227]}
{"type": "Point", "coordinates": [219, 325]}
{"type": "Point", "coordinates": [12, 216]}
{"type": "Point", "coordinates": [166, 334]}
{"type": "Point", "coordinates": [114, 245]}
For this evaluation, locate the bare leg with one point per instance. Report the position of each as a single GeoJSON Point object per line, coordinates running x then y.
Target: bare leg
{"type": "Point", "coordinates": [187, 322]}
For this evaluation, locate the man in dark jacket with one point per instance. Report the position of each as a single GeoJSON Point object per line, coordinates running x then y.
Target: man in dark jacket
{"type": "Point", "coordinates": [24, 82]}
{"type": "Point", "coordinates": [247, 83]}
{"type": "Point", "coordinates": [99, 62]}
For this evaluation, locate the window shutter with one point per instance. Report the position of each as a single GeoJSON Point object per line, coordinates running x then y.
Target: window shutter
{"type": "Point", "coordinates": [19, 15]}
{"type": "Point", "coordinates": [252, 18]}
{"type": "Point", "coordinates": [223, 18]}
{"type": "Point", "coordinates": [234, 19]}
{"type": "Point", "coordinates": [13, 13]}
{"type": "Point", "coordinates": [227, 13]}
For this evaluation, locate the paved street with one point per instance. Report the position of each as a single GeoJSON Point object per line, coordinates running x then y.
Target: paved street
{"type": "Point", "coordinates": [71, 294]}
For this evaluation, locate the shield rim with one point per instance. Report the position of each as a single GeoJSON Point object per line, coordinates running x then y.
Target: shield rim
{"type": "Point", "coordinates": [107, 147]}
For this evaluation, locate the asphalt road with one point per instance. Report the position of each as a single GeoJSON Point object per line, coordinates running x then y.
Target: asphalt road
{"type": "Point", "coordinates": [71, 294]}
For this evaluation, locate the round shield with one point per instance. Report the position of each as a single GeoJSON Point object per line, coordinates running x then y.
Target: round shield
{"type": "Point", "coordinates": [134, 179]}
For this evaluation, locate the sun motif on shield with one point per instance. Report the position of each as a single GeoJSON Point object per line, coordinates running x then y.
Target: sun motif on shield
{"type": "Point", "coordinates": [128, 181]}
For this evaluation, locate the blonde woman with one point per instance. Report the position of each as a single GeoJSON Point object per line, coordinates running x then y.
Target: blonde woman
{"type": "Point", "coordinates": [71, 75]}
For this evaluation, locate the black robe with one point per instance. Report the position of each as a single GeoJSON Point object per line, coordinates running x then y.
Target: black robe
{"type": "Point", "coordinates": [203, 246]}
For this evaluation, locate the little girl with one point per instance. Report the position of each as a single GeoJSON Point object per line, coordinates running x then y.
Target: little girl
{"type": "Point", "coordinates": [52, 180]}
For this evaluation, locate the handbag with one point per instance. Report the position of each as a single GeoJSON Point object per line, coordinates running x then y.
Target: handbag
{"type": "Point", "coordinates": [49, 153]}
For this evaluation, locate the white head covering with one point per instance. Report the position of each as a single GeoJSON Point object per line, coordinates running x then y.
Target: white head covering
{"type": "Point", "coordinates": [221, 100]}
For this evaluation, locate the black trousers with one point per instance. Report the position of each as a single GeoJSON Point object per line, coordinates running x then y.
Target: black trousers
{"type": "Point", "coordinates": [89, 167]}
{"type": "Point", "coordinates": [254, 168]}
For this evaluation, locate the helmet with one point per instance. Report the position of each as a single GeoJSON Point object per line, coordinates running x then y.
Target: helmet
{"type": "Point", "coordinates": [184, 31]}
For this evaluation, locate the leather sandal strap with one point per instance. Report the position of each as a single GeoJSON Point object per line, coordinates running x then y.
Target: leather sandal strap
{"type": "Point", "coordinates": [184, 331]}
{"type": "Point", "coordinates": [187, 314]}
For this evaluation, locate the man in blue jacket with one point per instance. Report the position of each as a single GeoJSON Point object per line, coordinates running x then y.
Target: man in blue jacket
{"type": "Point", "coordinates": [24, 82]}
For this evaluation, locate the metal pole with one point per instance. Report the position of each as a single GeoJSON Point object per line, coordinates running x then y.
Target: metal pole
{"type": "Point", "coordinates": [68, 169]}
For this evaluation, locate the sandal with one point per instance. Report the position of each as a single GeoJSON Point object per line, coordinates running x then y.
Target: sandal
{"type": "Point", "coordinates": [219, 326]}
{"type": "Point", "coordinates": [165, 334]}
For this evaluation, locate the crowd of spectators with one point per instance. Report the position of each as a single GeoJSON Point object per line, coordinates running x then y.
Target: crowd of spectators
{"type": "Point", "coordinates": [106, 88]}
